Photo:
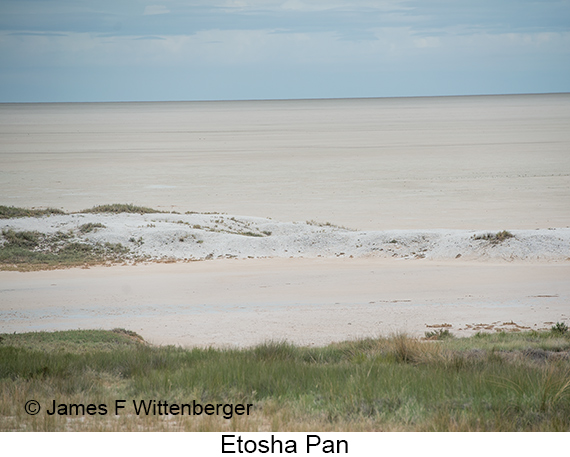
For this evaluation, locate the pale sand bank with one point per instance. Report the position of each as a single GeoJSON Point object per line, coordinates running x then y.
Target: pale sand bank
{"type": "Point", "coordinates": [205, 236]}
{"type": "Point", "coordinates": [306, 301]}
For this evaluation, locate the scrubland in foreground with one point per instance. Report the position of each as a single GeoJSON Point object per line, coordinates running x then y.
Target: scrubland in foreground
{"type": "Point", "coordinates": [489, 382]}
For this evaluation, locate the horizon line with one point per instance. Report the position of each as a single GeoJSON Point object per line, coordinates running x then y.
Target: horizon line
{"type": "Point", "coordinates": [282, 99]}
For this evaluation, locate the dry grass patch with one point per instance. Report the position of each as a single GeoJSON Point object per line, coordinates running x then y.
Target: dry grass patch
{"type": "Point", "coordinates": [494, 238]}
{"type": "Point", "coordinates": [483, 383]}
{"type": "Point", "coordinates": [9, 212]}
{"type": "Point", "coordinates": [32, 250]}
{"type": "Point", "coordinates": [117, 208]}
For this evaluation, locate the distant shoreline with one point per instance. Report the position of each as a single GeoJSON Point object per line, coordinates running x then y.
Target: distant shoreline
{"type": "Point", "coordinates": [284, 99]}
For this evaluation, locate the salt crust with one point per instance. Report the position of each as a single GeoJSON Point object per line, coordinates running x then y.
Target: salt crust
{"type": "Point", "coordinates": [167, 236]}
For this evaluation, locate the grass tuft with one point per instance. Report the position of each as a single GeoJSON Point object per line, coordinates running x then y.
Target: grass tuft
{"type": "Point", "coordinates": [91, 227]}
{"type": "Point", "coordinates": [327, 224]}
{"type": "Point", "coordinates": [494, 238]}
{"type": "Point", "coordinates": [9, 212]}
{"type": "Point", "coordinates": [117, 208]}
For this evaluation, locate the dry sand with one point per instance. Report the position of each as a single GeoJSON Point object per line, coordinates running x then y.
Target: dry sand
{"type": "Point", "coordinates": [307, 301]}
{"type": "Point", "coordinates": [472, 163]}
{"type": "Point", "coordinates": [428, 165]}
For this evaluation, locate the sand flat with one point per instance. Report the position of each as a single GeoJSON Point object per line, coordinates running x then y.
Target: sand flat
{"type": "Point", "coordinates": [307, 301]}
{"type": "Point", "coordinates": [495, 162]}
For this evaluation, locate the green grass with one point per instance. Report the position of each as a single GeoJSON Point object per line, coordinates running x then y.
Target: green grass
{"type": "Point", "coordinates": [73, 341]}
{"type": "Point", "coordinates": [392, 384]}
{"type": "Point", "coordinates": [117, 208]}
{"type": "Point", "coordinates": [8, 212]}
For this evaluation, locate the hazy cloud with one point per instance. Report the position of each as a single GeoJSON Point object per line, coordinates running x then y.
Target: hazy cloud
{"type": "Point", "coordinates": [344, 17]}
{"type": "Point", "coordinates": [360, 43]}
{"type": "Point", "coordinates": [152, 10]}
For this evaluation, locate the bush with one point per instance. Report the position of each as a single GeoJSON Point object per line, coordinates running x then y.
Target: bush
{"type": "Point", "coordinates": [24, 239]}
{"type": "Point", "coordinates": [494, 238]}
{"type": "Point", "coordinates": [439, 334]}
{"type": "Point", "coordinates": [560, 328]}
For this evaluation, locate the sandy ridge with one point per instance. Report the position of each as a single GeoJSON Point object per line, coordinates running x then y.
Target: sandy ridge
{"type": "Point", "coordinates": [200, 236]}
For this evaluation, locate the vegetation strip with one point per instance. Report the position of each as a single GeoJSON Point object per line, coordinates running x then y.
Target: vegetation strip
{"type": "Point", "coordinates": [32, 250]}
{"type": "Point", "coordinates": [489, 382]}
{"type": "Point", "coordinates": [9, 212]}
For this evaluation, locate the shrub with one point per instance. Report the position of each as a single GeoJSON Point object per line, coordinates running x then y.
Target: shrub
{"type": "Point", "coordinates": [494, 238]}
{"type": "Point", "coordinates": [560, 328]}
{"type": "Point", "coordinates": [24, 239]}
{"type": "Point", "coordinates": [439, 334]}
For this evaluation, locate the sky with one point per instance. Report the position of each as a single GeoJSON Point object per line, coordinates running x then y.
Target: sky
{"type": "Point", "coordinates": [137, 50]}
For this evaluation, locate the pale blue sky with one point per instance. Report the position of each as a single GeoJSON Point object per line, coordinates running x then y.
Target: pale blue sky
{"type": "Point", "coordinates": [137, 50]}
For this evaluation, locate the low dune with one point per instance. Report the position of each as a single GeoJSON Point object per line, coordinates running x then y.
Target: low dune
{"type": "Point", "coordinates": [160, 236]}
